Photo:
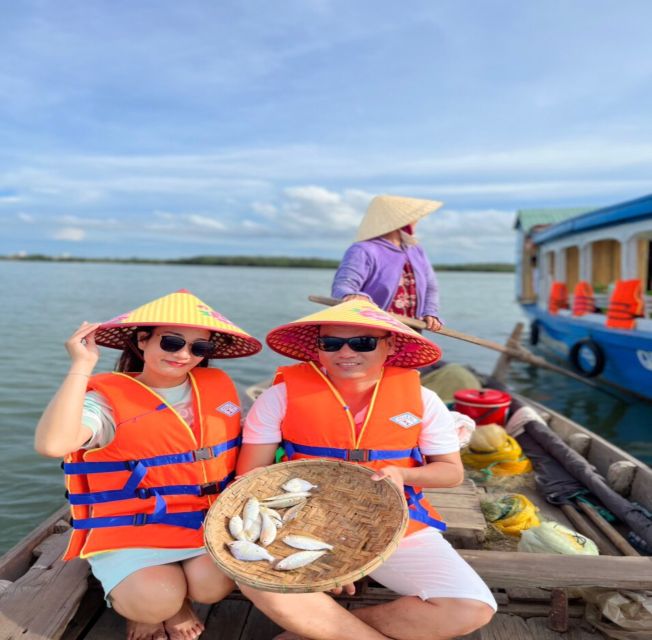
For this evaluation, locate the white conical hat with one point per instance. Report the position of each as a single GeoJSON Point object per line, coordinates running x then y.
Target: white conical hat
{"type": "Point", "coordinates": [388, 213]}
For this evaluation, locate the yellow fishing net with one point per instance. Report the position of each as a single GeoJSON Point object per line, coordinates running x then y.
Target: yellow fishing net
{"type": "Point", "coordinates": [511, 514]}
{"type": "Point", "coordinates": [508, 460]}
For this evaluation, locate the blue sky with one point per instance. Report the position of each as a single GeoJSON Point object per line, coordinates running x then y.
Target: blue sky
{"type": "Point", "coordinates": [167, 129]}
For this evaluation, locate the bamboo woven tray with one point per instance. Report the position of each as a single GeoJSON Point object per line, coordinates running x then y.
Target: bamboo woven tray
{"type": "Point", "coordinates": [362, 518]}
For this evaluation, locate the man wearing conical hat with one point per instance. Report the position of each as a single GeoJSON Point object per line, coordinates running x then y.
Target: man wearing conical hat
{"type": "Point", "coordinates": [147, 449]}
{"type": "Point", "coordinates": [387, 265]}
{"type": "Point", "coordinates": [356, 397]}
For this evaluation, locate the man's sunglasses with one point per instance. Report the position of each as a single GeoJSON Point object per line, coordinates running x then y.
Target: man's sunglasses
{"type": "Point", "coordinates": [357, 343]}
{"type": "Point", "coordinates": [199, 348]}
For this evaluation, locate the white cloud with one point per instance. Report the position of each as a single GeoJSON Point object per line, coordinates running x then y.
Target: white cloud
{"type": "Point", "coordinates": [86, 221]}
{"type": "Point", "coordinates": [205, 223]}
{"type": "Point", "coordinates": [71, 234]}
{"type": "Point", "coordinates": [25, 217]}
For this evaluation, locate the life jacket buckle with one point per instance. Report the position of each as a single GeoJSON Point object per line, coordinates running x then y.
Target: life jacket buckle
{"type": "Point", "coordinates": [140, 519]}
{"type": "Point", "coordinates": [357, 455]}
{"type": "Point", "coordinates": [206, 453]}
{"type": "Point", "coordinates": [209, 489]}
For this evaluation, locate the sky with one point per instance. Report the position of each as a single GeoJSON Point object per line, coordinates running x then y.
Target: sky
{"type": "Point", "coordinates": [169, 129]}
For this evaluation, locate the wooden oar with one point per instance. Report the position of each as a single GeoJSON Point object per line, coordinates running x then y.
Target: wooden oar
{"type": "Point", "coordinates": [517, 352]}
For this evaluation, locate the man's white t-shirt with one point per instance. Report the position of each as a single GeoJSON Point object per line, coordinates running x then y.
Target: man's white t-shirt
{"type": "Point", "coordinates": [438, 430]}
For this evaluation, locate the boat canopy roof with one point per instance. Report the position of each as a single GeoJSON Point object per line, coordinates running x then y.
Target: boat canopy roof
{"type": "Point", "coordinates": [527, 219]}
{"type": "Point", "coordinates": [616, 214]}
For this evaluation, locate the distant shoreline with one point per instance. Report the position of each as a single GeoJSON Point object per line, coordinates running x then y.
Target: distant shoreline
{"type": "Point", "coordinates": [250, 261]}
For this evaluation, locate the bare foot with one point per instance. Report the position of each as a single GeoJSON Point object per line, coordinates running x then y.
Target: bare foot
{"type": "Point", "coordinates": [184, 625]}
{"type": "Point", "coordinates": [144, 631]}
{"type": "Point", "coordinates": [288, 635]}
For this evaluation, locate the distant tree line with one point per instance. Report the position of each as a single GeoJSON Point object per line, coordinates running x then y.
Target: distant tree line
{"type": "Point", "coordinates": [247, 261]}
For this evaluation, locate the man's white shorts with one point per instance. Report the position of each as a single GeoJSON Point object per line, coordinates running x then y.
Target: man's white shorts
{"type": "Point", "coordinates": [425, 565]}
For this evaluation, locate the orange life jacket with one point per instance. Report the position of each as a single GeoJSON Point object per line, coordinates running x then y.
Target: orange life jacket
{"type": "Point", "coordinates": [558, 297]}
{"type": "Point", "coordinates": [316, 426]}
{"type": "Point", "coordinates": [625, 305]}
{"type": "Point", "coordinates": [583, 299]}
{"type": "Point", "coordinates": [152, 484]}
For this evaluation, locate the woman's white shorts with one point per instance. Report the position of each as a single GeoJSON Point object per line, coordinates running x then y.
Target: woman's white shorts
{"type": "Point", "coordinates": [425, 565]}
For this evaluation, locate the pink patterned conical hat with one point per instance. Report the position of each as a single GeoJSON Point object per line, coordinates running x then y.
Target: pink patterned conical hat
{"type": "Point", "coordinates": [181, 309]}
{"type": "Point", "coordinates": [298, 339]}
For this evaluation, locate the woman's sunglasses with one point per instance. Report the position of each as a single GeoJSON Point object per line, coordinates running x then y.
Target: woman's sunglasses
{"type": "Point", "coordinates": [357, 343]}
{"type": "Point", "coordinates": [199, 348]}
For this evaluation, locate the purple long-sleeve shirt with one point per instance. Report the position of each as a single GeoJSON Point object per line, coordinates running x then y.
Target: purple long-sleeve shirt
{"type": "Point", "coordinates": [374, 267]}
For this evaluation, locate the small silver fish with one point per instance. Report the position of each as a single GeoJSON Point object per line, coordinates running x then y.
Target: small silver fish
{"type": "Point", "coordinates": [272, 513]}
{"type": "Point", "coordinates": [307, 543]}
{"type": "Point", "coordinates": [285, 499]}
{"type": "Point", "coordinates": [252, 532]}
{"type": "Point", "coordinates": [249, 552]}
{"type": "Point", "coordinates": [250, 512]}
{"type": "Point", "coordinates": [298, 484]}
{"type": "Point", "coordinates": [267, 531]}
{"type": "Point", "coordinates": [293, 512]}
{"type": "Point", "coordinates": [236, 528]}
{"type": "Point", "coordinates": [296, 560]}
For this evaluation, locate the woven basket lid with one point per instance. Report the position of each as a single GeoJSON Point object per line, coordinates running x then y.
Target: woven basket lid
{"type": "Point", "coordinates": [363, 519]}
{"type": "Point", "coordinates": [298, 339]}
{"type": "Point", "coordinates": [388, 213]}
{"type": "Point", "coordinates": [180, 309]}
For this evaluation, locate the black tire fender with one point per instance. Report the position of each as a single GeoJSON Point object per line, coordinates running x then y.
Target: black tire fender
{"type": "Point", "coordinates": [534, 333]}
{"type": "Point", "coordinates": [598, 354]}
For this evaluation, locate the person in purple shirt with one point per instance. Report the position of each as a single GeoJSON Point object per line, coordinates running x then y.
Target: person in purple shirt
{"type": "Point", "coordinates": [387, 265]}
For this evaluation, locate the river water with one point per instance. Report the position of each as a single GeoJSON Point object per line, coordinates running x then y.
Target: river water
{"type": "Point", "coordinates": [44, 302]}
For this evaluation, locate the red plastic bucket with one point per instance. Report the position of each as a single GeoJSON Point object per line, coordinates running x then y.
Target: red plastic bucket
{"type": "Point", "coordinates": [485, 406]}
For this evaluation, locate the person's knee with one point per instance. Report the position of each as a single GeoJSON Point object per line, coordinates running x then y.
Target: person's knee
{"type": "Point", "coordinates": [479, 614]}
{"type": "Point", "coordinates": [149, 606]}
{"type": "Point", "coordinates": [206, 583]}
{"type": "Point", "coordinates": [150, 595]}
{"type": "Point", "coordinates": [462, 615]}
{"type": "Point", "coordinates": [209, 592]}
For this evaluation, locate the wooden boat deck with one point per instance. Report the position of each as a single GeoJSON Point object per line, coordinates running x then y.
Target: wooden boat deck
{"type": "Point", "coordinates": [45, 598]}
{"type": "Point", "coordinates": [237, 619]}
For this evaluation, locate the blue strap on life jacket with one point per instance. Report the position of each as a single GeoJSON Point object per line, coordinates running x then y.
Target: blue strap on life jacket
{"type": "Point", "coordinates": [186, 519]}
{"type": "Point", "coordinates": [130, 491]}
{"type": "Point", "coordinates": [418, 512]}
{"type": "Point", "coordinates": [351, 455]}
{"type": "Point", "coordinates": [206, 453]}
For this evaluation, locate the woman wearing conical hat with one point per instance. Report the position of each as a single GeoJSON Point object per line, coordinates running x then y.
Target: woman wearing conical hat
{"type": "Point", "coordinates": [387, 265]}
{"type": "Point", "coordinates": [355, 396]}
{"type": "Point", "coordinates": [147, 449]}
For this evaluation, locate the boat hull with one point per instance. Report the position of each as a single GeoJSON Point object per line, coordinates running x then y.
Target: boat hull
{"type": "Point", "coordinates": [619, 357]}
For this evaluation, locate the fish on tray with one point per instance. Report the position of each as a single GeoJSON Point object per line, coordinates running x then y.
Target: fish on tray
{"type": "Point", "coordinates": [306, 543]}
{"type": "Point", "coordinates": [299, 559]}
{"type": "Point", "coordinates": [298, 484]}
{"type": "Point", "coordinates": [249, 551]}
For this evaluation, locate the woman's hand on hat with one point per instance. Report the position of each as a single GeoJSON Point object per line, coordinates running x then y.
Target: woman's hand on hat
{"type": "Point", "coordinates": [432, 323]}
{"type": "Point", "coordinates": [82, 348]}
{"type": "Point", "coordinates": [355, 296]}
{"type": "Point", "coordinates": [395, 474]}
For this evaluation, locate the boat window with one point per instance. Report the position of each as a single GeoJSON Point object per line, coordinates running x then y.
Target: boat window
{"type": "Point", "coordinates": [572, 267]}
{"type": "Point", "coordinates": [605, 261]}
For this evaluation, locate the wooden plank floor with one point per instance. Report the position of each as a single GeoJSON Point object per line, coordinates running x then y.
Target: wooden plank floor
{"type": "Point", "coordinates": [460, 509]}
{"type": "Point", "coordinates": [237, 619]}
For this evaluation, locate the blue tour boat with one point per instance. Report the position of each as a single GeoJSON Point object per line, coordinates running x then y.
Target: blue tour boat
{"type": "Point", "coordinates": [584, 278]}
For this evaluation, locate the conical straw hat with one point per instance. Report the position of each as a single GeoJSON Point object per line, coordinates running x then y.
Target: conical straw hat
{"type": "Point", "coordinates": [298, 339]}
{"type": "Point", "coordinates": [181, 309]}
{"type": "Point", "coordinates": [388, 213]}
